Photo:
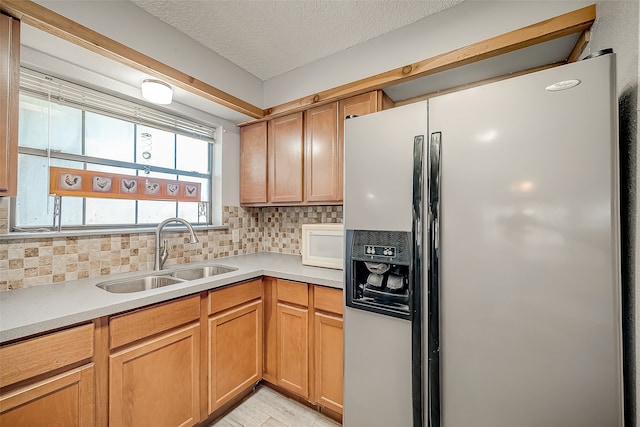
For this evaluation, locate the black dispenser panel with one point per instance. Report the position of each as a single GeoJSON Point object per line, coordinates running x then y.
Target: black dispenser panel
{"type": "Point", "coordinates": [379, 276]}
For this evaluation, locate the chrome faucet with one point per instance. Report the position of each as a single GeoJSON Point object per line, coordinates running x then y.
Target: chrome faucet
{"type": "Point", "coordinates": [162, 253]}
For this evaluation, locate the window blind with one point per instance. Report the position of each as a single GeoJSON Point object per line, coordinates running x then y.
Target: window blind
{"type": "Point", "coordinates": [67, 93]}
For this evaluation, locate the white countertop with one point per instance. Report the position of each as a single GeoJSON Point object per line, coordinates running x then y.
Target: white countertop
{"type": "Point", "coordinates": [33, 310]}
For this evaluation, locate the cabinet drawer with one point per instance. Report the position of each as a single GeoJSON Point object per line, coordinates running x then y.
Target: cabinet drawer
{"type": "Point", "coordinates": [225, 298]}
{"type": "Point", "coordinates": [328, 299]}
{"type": "Point", "coordinates": [64, 400]}
{"type": "Point", "coordinates": [36, 356]}
{"type": "Point", "coordinates": [130, 327]}
{"type": "Point", "coordinates": [293, 292]}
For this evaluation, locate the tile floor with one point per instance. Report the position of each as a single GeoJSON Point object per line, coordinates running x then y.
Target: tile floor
{"type": "Point", "coordinates": [266, 408]}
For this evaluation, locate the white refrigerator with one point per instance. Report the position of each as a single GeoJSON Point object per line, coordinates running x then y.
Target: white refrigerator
{"type": "Point", "coordinates": [516, 317]}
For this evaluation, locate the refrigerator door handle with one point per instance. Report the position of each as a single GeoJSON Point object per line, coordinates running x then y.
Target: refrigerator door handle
{"type": "Point", "coordinates": [433, 281]}
{"type": "Point", "coordinates": [417, 322]}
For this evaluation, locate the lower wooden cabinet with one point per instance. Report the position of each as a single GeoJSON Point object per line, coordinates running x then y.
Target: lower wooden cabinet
{"type": "Point", "coordinates": [175, 363]}
{"type": "Point", "coordinates": [235, 352]}
{"type": "Point", "coordinates": [305, 324]}
{"type": "Point", "coordinates": [63, 400]}
{"type": "Point", "coordinates": [154, 368]}
{"type": "Point", "coordinates": [156, 383]}
{"type": "Point", "coordinates": [49, 380]}
{"type": "Point", "coordinates": [329, 352]}
{"type": "Point", "coordinates": [328, 347]}
{"type": "Point", "coordinates": [270, 331]}
{"type": "Point", "coordinates": [293, 349]}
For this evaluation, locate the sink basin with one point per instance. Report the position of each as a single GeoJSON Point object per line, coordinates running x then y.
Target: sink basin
{"type": "Point", "coordinates": [138, 284]}
{"type": "Point", "coordinates": [200, 272]}
{"type": "Point", "coordinates": [167, 278]}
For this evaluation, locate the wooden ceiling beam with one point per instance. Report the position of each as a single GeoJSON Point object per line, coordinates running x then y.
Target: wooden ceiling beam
{"type": "Point", "coordinates": [44, 19]}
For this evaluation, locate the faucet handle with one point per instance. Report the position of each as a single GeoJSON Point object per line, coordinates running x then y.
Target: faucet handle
{"type": "Point", "coordinates": [164, 253]}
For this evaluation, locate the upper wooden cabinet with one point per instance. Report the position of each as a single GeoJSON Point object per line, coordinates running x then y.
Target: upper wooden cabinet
{"type": "Point", "coordinates": [322, 156]}
{"type": "Point", "coordinates": [285, 147]}
{"type": "Point", "coordinates": [253, 163]}
{"type": "Point", "coordinates": [358, 106]}
{"type": "Point", "coordinates": [9, 84]}
{"type": "Point", "coordinates": [304, 152]}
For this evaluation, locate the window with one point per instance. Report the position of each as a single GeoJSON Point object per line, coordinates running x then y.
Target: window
{"type": "Point", "coordinates": [66, 125]}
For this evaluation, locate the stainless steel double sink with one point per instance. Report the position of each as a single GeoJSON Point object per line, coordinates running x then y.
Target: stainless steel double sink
{"type": "Point", "coordinates": [159, 279]}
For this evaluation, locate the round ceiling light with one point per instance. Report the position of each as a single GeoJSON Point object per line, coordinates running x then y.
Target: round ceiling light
{"type": "Point", "coordinates": [157, 91]}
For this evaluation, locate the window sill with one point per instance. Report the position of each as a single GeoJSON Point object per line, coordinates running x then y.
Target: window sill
{"type": "Point", "coordinates": [24, 235]}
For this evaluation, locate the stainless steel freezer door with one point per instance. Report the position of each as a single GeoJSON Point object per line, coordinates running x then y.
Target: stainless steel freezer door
{"type": "Point", "coordinates": [529, 285]}
{"type": "Point", "coordinates": [378, 171]}
{"type": "Point", "coordinates": [377, 370]}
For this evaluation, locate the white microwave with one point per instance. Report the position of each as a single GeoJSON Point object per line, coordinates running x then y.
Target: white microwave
{"type": "Point", "coordinates": [323, 245]}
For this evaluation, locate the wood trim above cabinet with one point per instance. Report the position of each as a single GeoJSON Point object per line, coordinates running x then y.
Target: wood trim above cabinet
{"type": "Point", "coordinates": [572, 22]}
{"type": "Point", "coordinates": [9, 104]}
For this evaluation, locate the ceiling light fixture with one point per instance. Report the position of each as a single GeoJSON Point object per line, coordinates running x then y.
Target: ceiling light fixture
{"type": "Point", "coordinates": [156, 91]}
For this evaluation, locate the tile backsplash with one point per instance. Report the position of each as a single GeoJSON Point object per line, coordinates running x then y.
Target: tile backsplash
{"type": "Point", "coordinates": [282, 227]}
{"type": "Point", "coordinates": [32, 262]}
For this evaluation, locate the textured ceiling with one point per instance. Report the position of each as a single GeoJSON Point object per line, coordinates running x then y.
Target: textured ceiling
{"type": "Point", "coordinates": [268, 38]}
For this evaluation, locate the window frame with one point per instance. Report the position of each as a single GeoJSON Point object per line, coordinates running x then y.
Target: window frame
{"type": "Point", "coordinates": [184, 127]}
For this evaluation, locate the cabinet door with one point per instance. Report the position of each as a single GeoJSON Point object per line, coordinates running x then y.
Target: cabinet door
{"type": "Point", "coordinates": [156, 383]}
{"type": "Point", "coordinates": [64, 400]}
{"type": "Point", "coordinates": [328, 361]}
{"type": "Point", "coordinates": [293, 349]}
{"type": "Point", "coordinates": [360, 105]}
{"type": "Point", "coordinates": [253, 163]}
{"type": "Point", "coordinates": [322, 157]}
{"type": "Point", "coordinates": [235, 352]}
{"type": "Point", "coordinates": [285, 159]}
{"type": "Point", "coordinates": [9, 83]}
{"type": "Point", "coordinates": [270, 358]}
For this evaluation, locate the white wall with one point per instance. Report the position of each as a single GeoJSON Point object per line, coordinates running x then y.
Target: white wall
{"type": "Point", "coordinates": [617, 27]}
{"type": "Point", "coordinates": [464, 24]}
